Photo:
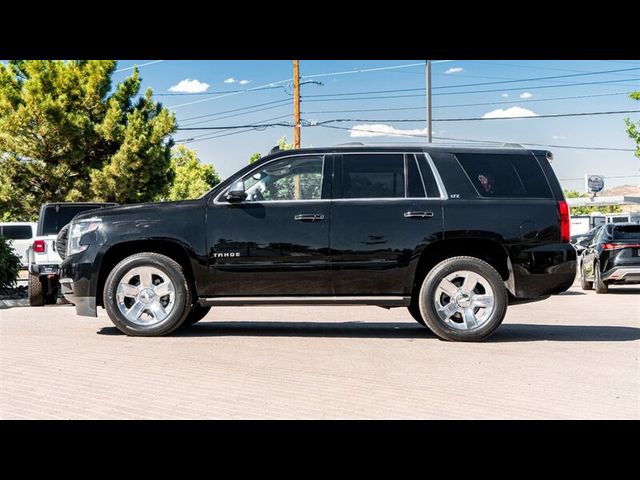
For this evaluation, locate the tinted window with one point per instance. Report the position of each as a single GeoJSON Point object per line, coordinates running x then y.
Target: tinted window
{"type": "Point", "coordinates": [373, 176]}
{"type": "Point", "coordinates": [499, 175]}
{"type": "Point", "coordinates": [55, 220]}
{"type": "Point", "coordinates": [428, 177]}
{"type": "Point", "coordinates": [17, 232]}
{"type": "Point", "coordinates": [454, 179]}
{"type": "Point", "coordinates": [414, 180]}
{"type": "Point", "coordinates": [294, 178]}
{"type": "Point", "coordinates": [627, 232]}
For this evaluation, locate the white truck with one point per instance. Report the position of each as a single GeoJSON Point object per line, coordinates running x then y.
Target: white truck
{"type": "Point", "coordinates": [21, 235]}
{"type": "Point", "coordinates": [42, 255]}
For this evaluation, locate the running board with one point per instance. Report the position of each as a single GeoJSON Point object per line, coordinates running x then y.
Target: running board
{"type": "Point", "coordinates": [379, 301]}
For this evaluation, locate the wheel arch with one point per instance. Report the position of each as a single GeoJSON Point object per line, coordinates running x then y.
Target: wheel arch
{"type": "Point", "coordinates": [118, 252]}
{"type": "Point", "coordinates": [491, 251]}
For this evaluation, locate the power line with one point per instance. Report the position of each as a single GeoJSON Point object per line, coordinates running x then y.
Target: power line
{"type": "Point", "coordinates": [287, 100]}
{"type": "Point", "coordinates": [311, 99]}
{"type": "Point", "coordinates": [220, 92]}
{"type": "Point", "coordinates": [484, 141]}
{"type": "Point", "coordinates": [138, 66]}
{"type": "Point", "coordinates": [258, 126]}
{"type": "Point", "coordinates": [287, 103]}
{"type": "Point", "coordinates": [374, 69]}
{"type": "Point", "coordinates": [538, 67]}
{"type": "Point", "coordinates": [468, 104]}
{"type": "Point", "coordinates": [469, 119]}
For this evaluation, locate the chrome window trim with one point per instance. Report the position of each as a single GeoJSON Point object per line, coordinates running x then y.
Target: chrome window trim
{"type": "Point", "coordinates": [436, 174]}
{"type": "Point", "coordinates": [323, 155]}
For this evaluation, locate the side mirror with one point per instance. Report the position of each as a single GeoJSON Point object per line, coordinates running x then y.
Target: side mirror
{"type": "Point", "coordinates": [236, 192]}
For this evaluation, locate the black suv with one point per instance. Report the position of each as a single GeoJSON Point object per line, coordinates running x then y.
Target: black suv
{"type": "Point", "coordinates": [452, 233]}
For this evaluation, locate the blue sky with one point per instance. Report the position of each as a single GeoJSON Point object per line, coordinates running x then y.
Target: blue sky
{"type": "Point", "coordinates": [529, 97]}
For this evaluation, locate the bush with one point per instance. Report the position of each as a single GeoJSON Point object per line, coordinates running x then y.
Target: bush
{"type": "Point", "coordinates": [9, 264]}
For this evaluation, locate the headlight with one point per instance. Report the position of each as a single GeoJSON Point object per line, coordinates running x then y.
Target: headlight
{"type": "Point", "coordinates": [78, 230]}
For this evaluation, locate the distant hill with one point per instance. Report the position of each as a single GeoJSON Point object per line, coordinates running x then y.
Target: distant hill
{"type": "Point", "coordinates": [630, 190]}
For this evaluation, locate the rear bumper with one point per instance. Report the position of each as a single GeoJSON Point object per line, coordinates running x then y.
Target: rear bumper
{"type": "Point", "coordinates": [44, 269]}
{"type": "Point", "coordinates": [541, 271]}
{"type": "Point", "coordinates": [622, 274]}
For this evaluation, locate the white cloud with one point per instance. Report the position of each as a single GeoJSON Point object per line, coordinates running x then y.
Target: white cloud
{"type": "Point", "coordinates": [526, 95]}
{"type": "Point", "coordinates": [244, 82]}
{"type": "Point", "coordinates": [558, 137]}
{"type": "Point", "coordinates": [382, 130]}
{"type": "Point", "coordinates": [230, 80]}
{"type": "Point", "coordinates": [454, 70]}
{"type": "Point", "coordinates": [510, 113]}
{"type": "Point", "coordinates": [189, 86]}
{"type": "Point", "coordinates": [505, 95]}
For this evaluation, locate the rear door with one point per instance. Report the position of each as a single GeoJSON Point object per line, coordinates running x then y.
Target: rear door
{"type": "Point", "coordinates": [386, 208]}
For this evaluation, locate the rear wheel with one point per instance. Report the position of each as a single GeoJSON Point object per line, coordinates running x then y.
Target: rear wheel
{"type": "Point", "coordinates": [463, 299]}
{"type": "Point", "coordinates": [35, 291]}
{"type": "Point", "coordinates": [147, 294]}
{"type": "Point", "coordinates": [598, 285]}
{"type": "Point", "coordinates": [197, 313]}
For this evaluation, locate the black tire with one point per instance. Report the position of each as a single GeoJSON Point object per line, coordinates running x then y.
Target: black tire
{"type": "Point", "coordinates": [428, 306]}
{"type": "Point", "coordinates": [197, 313]}
{"type": "Point", "coordinates": [35, 291]}
{"type": "Point", "coordinates": [414, 310]}
{"type": "Point", "coordinates": [52, 288]}
{"type": "Point", "coordinates": [170, 268]}
{"type": "Point", "coordinates": [598, 285]}
{"type": "Point", "coordinates": [584, 283]}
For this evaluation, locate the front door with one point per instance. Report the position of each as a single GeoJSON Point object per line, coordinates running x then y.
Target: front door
{"type": "Point", "coordinates": [276, 242]}
{"type": "Point", "coordinates": [386, 208]}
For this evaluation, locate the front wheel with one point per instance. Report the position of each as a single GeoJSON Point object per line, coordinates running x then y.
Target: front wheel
{"type": "Point", "coordinates": [598, 285]}
{"type": "Point", "coordinates": [147, 294]}
{"type": "Point", "coordinates": [463, 299]}
{"type": "Point", "coordinates": [584, 283]}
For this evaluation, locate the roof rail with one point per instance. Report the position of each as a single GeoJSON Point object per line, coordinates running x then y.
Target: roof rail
{"type": "Point", "coordinates": [348, 144]}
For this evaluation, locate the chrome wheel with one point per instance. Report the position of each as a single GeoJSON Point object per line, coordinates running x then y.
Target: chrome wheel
{"type": "Point", "coordinates": [146, 296]}
{"type": "Point", "coordinates": [464, 300]}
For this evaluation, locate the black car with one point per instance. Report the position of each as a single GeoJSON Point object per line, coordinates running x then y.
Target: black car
{"type": "Point", "coordinates": [452, 233]}
{"type": "Point", "coordinates": [612, 257]}
{"type": "Point", "coordinates": [581, 240]}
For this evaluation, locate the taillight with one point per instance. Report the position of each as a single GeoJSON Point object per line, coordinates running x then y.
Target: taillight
{"type": "Point", "coordinates": [565, 221]}
{"type": "Point", "coordinates": [39, 246]}
{"type": "Point", "coordinates": [619, 246]}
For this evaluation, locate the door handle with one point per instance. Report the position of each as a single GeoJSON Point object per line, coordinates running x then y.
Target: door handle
{"type": "Point", "coordinates": [418, 214]}
{"type": "Point", "coordinates": [308, 217]}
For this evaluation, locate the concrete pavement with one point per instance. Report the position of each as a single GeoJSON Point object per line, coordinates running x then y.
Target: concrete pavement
{"type": "Point", "coordinates": [572, 356]}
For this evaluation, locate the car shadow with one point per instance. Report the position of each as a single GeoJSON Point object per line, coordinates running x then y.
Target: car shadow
{"type": "Point", "coordinates": [506, 333]}
{"type": "Point", "coordinates": [623, 291]}
{"type": "Point", "coordinates": [571, 292]}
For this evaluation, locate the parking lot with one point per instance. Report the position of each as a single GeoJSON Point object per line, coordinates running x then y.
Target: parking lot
{"type": "Point", "coordinates": [572, 356]}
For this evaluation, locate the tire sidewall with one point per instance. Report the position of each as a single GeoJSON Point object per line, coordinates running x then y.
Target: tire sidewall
{"type": "Point", "coordinates": [428, 307]}
{"type": "Point", "coordinates": [169, 268]}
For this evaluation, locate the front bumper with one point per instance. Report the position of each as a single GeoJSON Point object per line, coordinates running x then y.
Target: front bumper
{"type": "Point", "coordinates": [622, 274]}
{"type": "Point", "coordinates": [542, 270]}
{"type": "Point", "coordinates": [77, 282]}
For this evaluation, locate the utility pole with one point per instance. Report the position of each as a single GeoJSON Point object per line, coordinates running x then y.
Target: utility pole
{"type": "Point", "coordinates": [428, 105]}
{"type": "Point", "coordinates": [296, 104]}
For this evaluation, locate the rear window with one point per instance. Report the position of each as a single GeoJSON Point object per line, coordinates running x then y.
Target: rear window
{"type": "Point", "coordinates": [16, 232]}
{"type": "Point", "coordinates": [499, 175]}
{"type": "Point", "coordinates": [626, 232]}
{"type": "Point", "coordinates": [54, 220]}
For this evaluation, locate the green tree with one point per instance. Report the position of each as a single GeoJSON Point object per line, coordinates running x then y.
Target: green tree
{"type": "Point", "coordinates": [588, 210]}
{"type": "Point", "coordinates": [9, 264]}
{"type": "Point", "coordinates": [282, 144]}
{"type": "Point", "coordinates": [192, 178]}
{"type": "Point", "coordinates": [254, 157]}
{"type": "Point", "coordinates": [66, 135]}
{"type": "Point", "coordinates": [633, 129]}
